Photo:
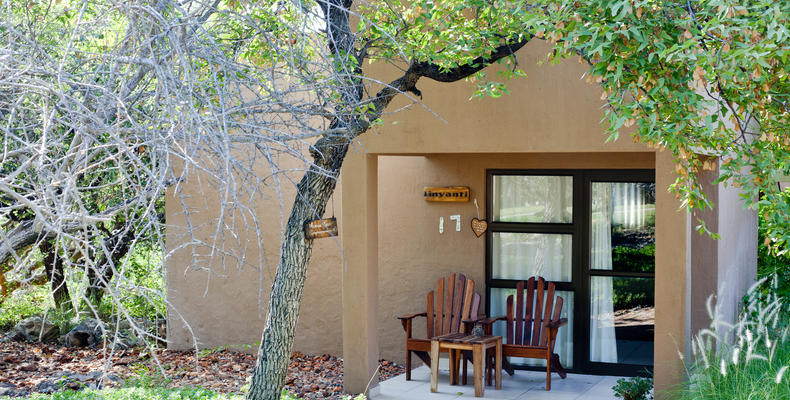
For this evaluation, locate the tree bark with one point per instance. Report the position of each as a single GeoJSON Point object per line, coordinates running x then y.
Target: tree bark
{"type": "Point", "coordinates": [53, 265]}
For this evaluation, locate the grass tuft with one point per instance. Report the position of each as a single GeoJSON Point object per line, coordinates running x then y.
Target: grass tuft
{"type": "Point", "coordinates": [747, 360]}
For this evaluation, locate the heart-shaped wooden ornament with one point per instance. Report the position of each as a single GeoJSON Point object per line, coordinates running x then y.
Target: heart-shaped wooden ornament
{"type": "Point", "coordinates": [479, 226]}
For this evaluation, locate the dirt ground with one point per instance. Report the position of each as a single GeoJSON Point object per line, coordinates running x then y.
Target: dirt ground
{"type": "Point", "coordinates": [26, 368]}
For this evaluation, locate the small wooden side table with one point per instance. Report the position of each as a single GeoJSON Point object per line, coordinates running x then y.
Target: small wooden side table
{"type": "Point", "coordinates": [479, 345]}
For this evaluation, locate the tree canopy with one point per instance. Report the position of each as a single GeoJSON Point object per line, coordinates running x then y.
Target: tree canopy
{"type": "Point", "coordinates": [706, 80]}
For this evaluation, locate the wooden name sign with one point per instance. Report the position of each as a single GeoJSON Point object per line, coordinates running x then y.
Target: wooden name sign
{"type": "Point", "coordinates": [456, 194]}
{"type": "Point", "coordinates": [320, 228]}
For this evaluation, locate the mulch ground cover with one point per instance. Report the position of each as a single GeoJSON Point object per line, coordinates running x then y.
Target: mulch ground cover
{"type": "Point", "coordinates": [26, 368]}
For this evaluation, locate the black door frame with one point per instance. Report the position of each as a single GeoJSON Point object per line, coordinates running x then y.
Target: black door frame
{"type": "Point", "coordinates": [579, 228]}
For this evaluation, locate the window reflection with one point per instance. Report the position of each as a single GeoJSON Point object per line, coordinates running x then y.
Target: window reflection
{"type": "Point", "coordinates": [533, 198]}
{"type": "Point", "coordinates": [623, 226]}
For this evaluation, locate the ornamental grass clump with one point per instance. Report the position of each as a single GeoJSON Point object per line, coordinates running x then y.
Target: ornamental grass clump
{"type": "Point", "coordinates": [747, 360]}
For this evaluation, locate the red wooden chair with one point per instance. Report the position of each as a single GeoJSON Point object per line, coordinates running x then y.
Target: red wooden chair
{"type": "Point", "coordinates": [453, 301]}
{"type": "Point", "coordinates": [532, 330]}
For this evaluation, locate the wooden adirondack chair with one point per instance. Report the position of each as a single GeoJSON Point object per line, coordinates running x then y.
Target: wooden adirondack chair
{"type": "Point", "coordinates": [532, 330]}
{"type": "Point", "coordinates": [453, 301]}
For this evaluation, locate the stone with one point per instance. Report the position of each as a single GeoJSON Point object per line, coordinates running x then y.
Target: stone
{"type": "Point", "coordinates": [125, 340]}
{"type": "Point", "coordinates": [80, 377]}
{"type": "Point", "coordinates": [7, 389]}
{"type": "Point", "coordinates": [87, 333]}
{"type": "Point", "coordinates": [33, 329]}
{"type": "Point", "coordinates": [47, 387]}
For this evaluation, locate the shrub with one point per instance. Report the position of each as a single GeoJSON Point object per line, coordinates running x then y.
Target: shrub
{"type": "Point", "coordinates": [636, 388]}
{"type": "Point", "coordinates": [21, 304]}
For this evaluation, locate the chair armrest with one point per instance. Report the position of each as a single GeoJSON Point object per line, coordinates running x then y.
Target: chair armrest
{"type": "Point", "coordinates": [412, 316]}
{"type": "Point", "coordinates": [557, 324]}
{"type": "Point", "coordinates": [483, 320]}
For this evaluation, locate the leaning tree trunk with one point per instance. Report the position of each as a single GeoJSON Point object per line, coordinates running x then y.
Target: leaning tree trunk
{"type": "Point", "coordinates": [313, 193]}
{"type": "Point", "coordinates": [319, 183]}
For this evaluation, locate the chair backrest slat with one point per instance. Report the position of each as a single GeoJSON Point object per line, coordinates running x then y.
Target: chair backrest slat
{"type": "Point", "coordinates": [448, 304]}
{"type": "Point", "coordinates": [509, 324]}
{"type": "Point", "coordinates": [475, 305]}
{"type": "Point", "coordinates": [549, 300]}
{"type": "Point", "coordinates": [457, 299]}
{"type": "Point", "coordinates": [530, 313]}
{"type": "Point", "coordinates": [439, 309]}
{"type": "Point", "coordinates": [519, 318]}
{"type": "Point", "coordinates": [538, 316]}
{"type": "Point", "coordinates": [430, 314]}
{"type": "Point", "coordinates": [468, 293]}
{"type": "Point", "coordinates": [556, 318]}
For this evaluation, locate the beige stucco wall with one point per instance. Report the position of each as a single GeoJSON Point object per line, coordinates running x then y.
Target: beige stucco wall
{"type": "Point", "coordinates": [227, 304]}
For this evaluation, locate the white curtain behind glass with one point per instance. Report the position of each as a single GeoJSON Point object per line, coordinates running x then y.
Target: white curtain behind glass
{"type": "Point", "coordinates": [541, 199]}
{"type": "Point", "coordinates": [628, 200]}
{"type": "Point", "coordinates": [603, 344]}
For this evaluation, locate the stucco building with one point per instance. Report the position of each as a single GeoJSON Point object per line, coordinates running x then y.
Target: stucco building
{"type": "Point", "coordinates": [594, 217]}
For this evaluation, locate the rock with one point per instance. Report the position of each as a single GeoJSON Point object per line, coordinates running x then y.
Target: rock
{"type": "Point", "coordinates": [140, 323]}
{"type": "Point", "coordinates": [33, 329]}
{"type": "Point", "coordinates": [124, 340]}
{"type": "Point", "coordinates": [87, 334]}
{"type": "Point", "coordinates": [80, 377]}
{"type": "Point", "coordinates": [47, 387]}
{"type": "Point", "coordinates": [7, 389]}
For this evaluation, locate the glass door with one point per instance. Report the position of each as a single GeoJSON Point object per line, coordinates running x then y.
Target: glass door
{"type": "Point", "coordinates": [622, 271]}
{"type": "Point", "coordinates": [592, 233]}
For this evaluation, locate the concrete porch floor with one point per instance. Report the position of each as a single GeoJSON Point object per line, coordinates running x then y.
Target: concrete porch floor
{"type": "Point", "coordinates": [524, 385]}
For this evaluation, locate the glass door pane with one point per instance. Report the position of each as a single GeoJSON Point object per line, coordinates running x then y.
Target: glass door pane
{"type": "Point", "coordinates": [533, 198]}
{"type": "Point", "coordinates": [623, 226]}
{"type": "Point", "coordinates": [622, 320]}
{"type": "Point", "coordinates": [622, 263]}
{"type": "Point", "coordinates": [519, 256]}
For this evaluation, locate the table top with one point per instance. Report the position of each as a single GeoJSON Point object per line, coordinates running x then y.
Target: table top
{"type": "Point", "coordinates": [466, 338]}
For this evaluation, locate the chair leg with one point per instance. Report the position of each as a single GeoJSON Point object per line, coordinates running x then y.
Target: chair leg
{"type": "Point", "coordinates": [453, 367]}
{"type": "Point", "coordinates": [548, 374]}
{"type": "Point", "coordinates": [459, 357]}
{"type": "Point", "coordinates": [408, 365]}
{"type": "Point", "coordinates": [465, 358]}
{"type": "Point", "coordinates": [557, 367]}
{"type": "Point", "coordinates": [489, 368]}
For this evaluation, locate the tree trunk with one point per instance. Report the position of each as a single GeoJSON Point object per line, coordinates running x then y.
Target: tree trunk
{"type": "Point", "coordinates": [313, 193]}
{"type": "Point", "coordinates": [319, 183]}
{"type": "Point", "coordinates": [53, 265]}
